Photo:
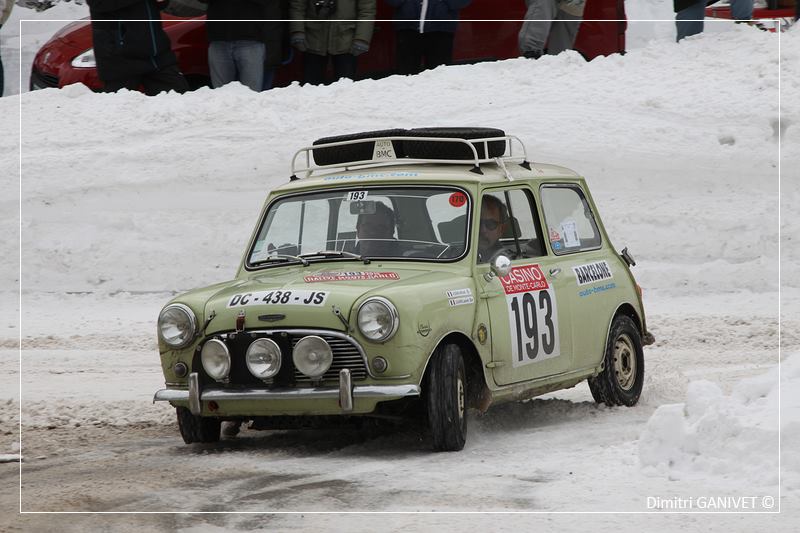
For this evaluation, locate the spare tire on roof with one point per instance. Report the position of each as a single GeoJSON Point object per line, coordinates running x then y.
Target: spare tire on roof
{"type": "Point", "coordinates": [336, 155]}
{"type": "Point", "coordinates": [453, 150]}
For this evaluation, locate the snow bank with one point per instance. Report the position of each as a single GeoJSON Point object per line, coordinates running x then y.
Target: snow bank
{"type": "Point", "coordinates": [729, 436]}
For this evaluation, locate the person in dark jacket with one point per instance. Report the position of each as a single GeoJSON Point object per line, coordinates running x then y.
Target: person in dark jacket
{"type": "Point", "coordinates": [237, 35]}
{"type": "Point", "coordinates": [425, 38]}
{"type": "Point", "coordinates": [131, 48]}
{"type": "Point", "coordinates": [336, 31]}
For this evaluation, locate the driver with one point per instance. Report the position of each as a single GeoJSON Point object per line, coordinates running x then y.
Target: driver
{"type": "Point", "coordinates": [494, 220]}
{"type": "Point", "coordinates": [375, 232]}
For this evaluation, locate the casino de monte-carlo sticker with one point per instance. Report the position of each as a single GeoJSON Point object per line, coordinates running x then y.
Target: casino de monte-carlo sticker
{"type": "Point", "coordinates": [592, 272]}
{"type": "Point", "coordinates": [532, 315]}
{"type": "Point", "coordinates": [350, 276]}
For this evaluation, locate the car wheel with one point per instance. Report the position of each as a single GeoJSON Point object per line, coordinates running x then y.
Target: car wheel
{"type": "Point", "coordinates": [446, 399]}
{"type": "Point", "coordinates": [197, 428]}
{"type": "Point", "coordinates": [620, 382]}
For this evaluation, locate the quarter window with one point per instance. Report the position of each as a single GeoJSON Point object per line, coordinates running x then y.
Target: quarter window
{"type": "Point", "coordinates": [571, 226]}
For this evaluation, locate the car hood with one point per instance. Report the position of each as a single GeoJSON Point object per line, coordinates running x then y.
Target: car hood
{"type": "Point", "coordinates": [297, 297]}
{"type": "Point", "coordinates": [76, 34]}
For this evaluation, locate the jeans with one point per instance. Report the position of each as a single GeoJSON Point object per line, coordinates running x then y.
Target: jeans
{"type": "Point", "coordinates": [538, 30]}
{"type": "Point", "coordinates": [689, 21]}
{"type": "Point", "coordinates": [241, 61]}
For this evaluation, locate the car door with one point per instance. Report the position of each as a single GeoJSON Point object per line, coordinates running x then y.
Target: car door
{"type": "Point", "coordinates": [529, 330]}
{"type": "Point", "coordinates": [590, 278]}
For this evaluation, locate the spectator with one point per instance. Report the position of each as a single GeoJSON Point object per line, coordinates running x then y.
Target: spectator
{"type": "Point", "coordinates": [276, 39]}
{"type": "Point", "coordinates": [131, 48]}
{"type": "Point", "coordinates": [375, 232]}
{"type": "Point", "coordinates": [425, 38]}
{"type": "Point", "coordinates": [550, 26]}
{"type": "Point", "coordinates": [689, 15]}
{"type": "Point", "coordinates": [237, 49]}
{"type": "Point", "coordinates": [323, 41]}
{"type": "Point", "coordinates": [5, 12]}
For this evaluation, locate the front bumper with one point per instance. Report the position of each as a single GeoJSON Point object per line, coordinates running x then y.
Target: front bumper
{"type": "Point", "coordinates": [346, 393]}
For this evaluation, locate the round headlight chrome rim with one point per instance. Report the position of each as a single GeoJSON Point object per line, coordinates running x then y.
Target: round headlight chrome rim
{"type": "Point", "coordinates": [391, 316]}
{"type": "Point", "coordinates": [312, 356]}
{"type": "Point", "coordinates": [264, 365]}
{"type": "Point", "coordinates": [216, 359]}
{"type": "Point", "coordinates": [186, 334]}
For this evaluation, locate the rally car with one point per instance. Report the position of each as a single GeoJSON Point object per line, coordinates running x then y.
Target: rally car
{"type": "Point", "coordinates": [409, 273]}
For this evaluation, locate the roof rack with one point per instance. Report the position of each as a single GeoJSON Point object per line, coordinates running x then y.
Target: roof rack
{"type": "Point", "coordinates": [385, 156]}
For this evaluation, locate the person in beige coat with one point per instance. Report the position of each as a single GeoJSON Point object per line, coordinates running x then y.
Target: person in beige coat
{"type": "Point", "coordinates": [336, 31]}
{"type": "Point", "coordinates": [5, 12]}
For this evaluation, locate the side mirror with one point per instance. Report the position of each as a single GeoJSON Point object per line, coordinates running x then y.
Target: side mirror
{"type": "Point", "coordinates": [626, 255]}
{"type": "Point", "coordinates": [500, 267]}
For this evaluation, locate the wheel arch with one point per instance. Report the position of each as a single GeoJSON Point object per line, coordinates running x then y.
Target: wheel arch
{"type": "Point", "coordinates": [628, 310]}
{"type": "Point", "coordinates": [473, 365]}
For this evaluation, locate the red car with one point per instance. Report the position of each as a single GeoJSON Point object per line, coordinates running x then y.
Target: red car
{"type": "Point", "coordinates": [68, 56]}
{"type": "Point", "coordinates": [785, 11]}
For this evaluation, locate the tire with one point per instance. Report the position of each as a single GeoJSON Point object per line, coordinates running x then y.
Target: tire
{"type": "Point", "coordinates": [622, 378]}
{"type": "Point", "coordinates": [445, 399]}
{"type": "Point", "coordinates": [197, 428]}
{"type": "Point", "coordinates": [438, 150]}
{"type": "Point", "coordinates": [338, 155]}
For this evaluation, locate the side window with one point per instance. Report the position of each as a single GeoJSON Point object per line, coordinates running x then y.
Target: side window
{"type": "Point", "coordinates": [508, 224]}
{"type": "Point", "coordinates": [523, 214]}
{"type": "Point", "coordinates": [570, 222]}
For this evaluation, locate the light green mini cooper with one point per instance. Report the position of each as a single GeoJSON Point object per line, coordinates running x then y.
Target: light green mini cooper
{"type": "Point", "coordinates": [408, 273]}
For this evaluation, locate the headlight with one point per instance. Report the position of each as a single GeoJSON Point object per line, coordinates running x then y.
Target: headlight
{"type": "Point", "coordinates": [263, 358]}
{"type": "Point", "coordinates": [377, 319]}
{"type": "Point", "coordinates": [177, 325]}
{"type": "Point", "coordinates": [85, 60]}
{"type": "Point", "coordinates": [312, 356]}
{"type": "Point", "coordinates": [216, 359]}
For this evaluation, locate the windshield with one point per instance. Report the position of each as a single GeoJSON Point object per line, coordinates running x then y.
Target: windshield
{"type": "Point", "coordinates": [362, 223]}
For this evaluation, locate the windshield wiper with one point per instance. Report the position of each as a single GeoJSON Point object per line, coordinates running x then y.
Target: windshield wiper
{"type": "Point", "coordinates": [336, 253]}
{"type": "Point", "coordinates": [282, 258]}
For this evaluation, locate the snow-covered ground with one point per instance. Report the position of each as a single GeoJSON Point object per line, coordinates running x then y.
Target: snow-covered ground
{"type": "Point", "coordinates": [128, 199]}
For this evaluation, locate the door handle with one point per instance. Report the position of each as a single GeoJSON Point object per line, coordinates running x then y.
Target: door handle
{"type": "Point", "coordinates": [555, 272]}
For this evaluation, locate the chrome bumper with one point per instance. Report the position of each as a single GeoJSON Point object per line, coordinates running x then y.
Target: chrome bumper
{"type": "Point", "coordinates": [345, 393]}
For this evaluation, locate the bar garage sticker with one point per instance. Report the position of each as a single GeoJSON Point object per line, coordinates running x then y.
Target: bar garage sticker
{"type": "Point", "coordinates": [279, 297]}
{"type": "Point", "coordinates": [532, 315]}
{"type": "Point", "coordinates": [592, 273]}
{"type": "Point", "coordinates": [460, 297]}
{"type": "Point", "coordinates": [350, 276]}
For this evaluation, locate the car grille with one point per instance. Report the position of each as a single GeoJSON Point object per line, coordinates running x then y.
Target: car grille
{"type": "Point", "coordinates": [40, 80]}
{"type": "Point", "coordinates": [346, 354]}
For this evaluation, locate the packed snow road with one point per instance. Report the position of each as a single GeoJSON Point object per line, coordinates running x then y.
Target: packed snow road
{"type": "Point", "coordinates": [523, 456]}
